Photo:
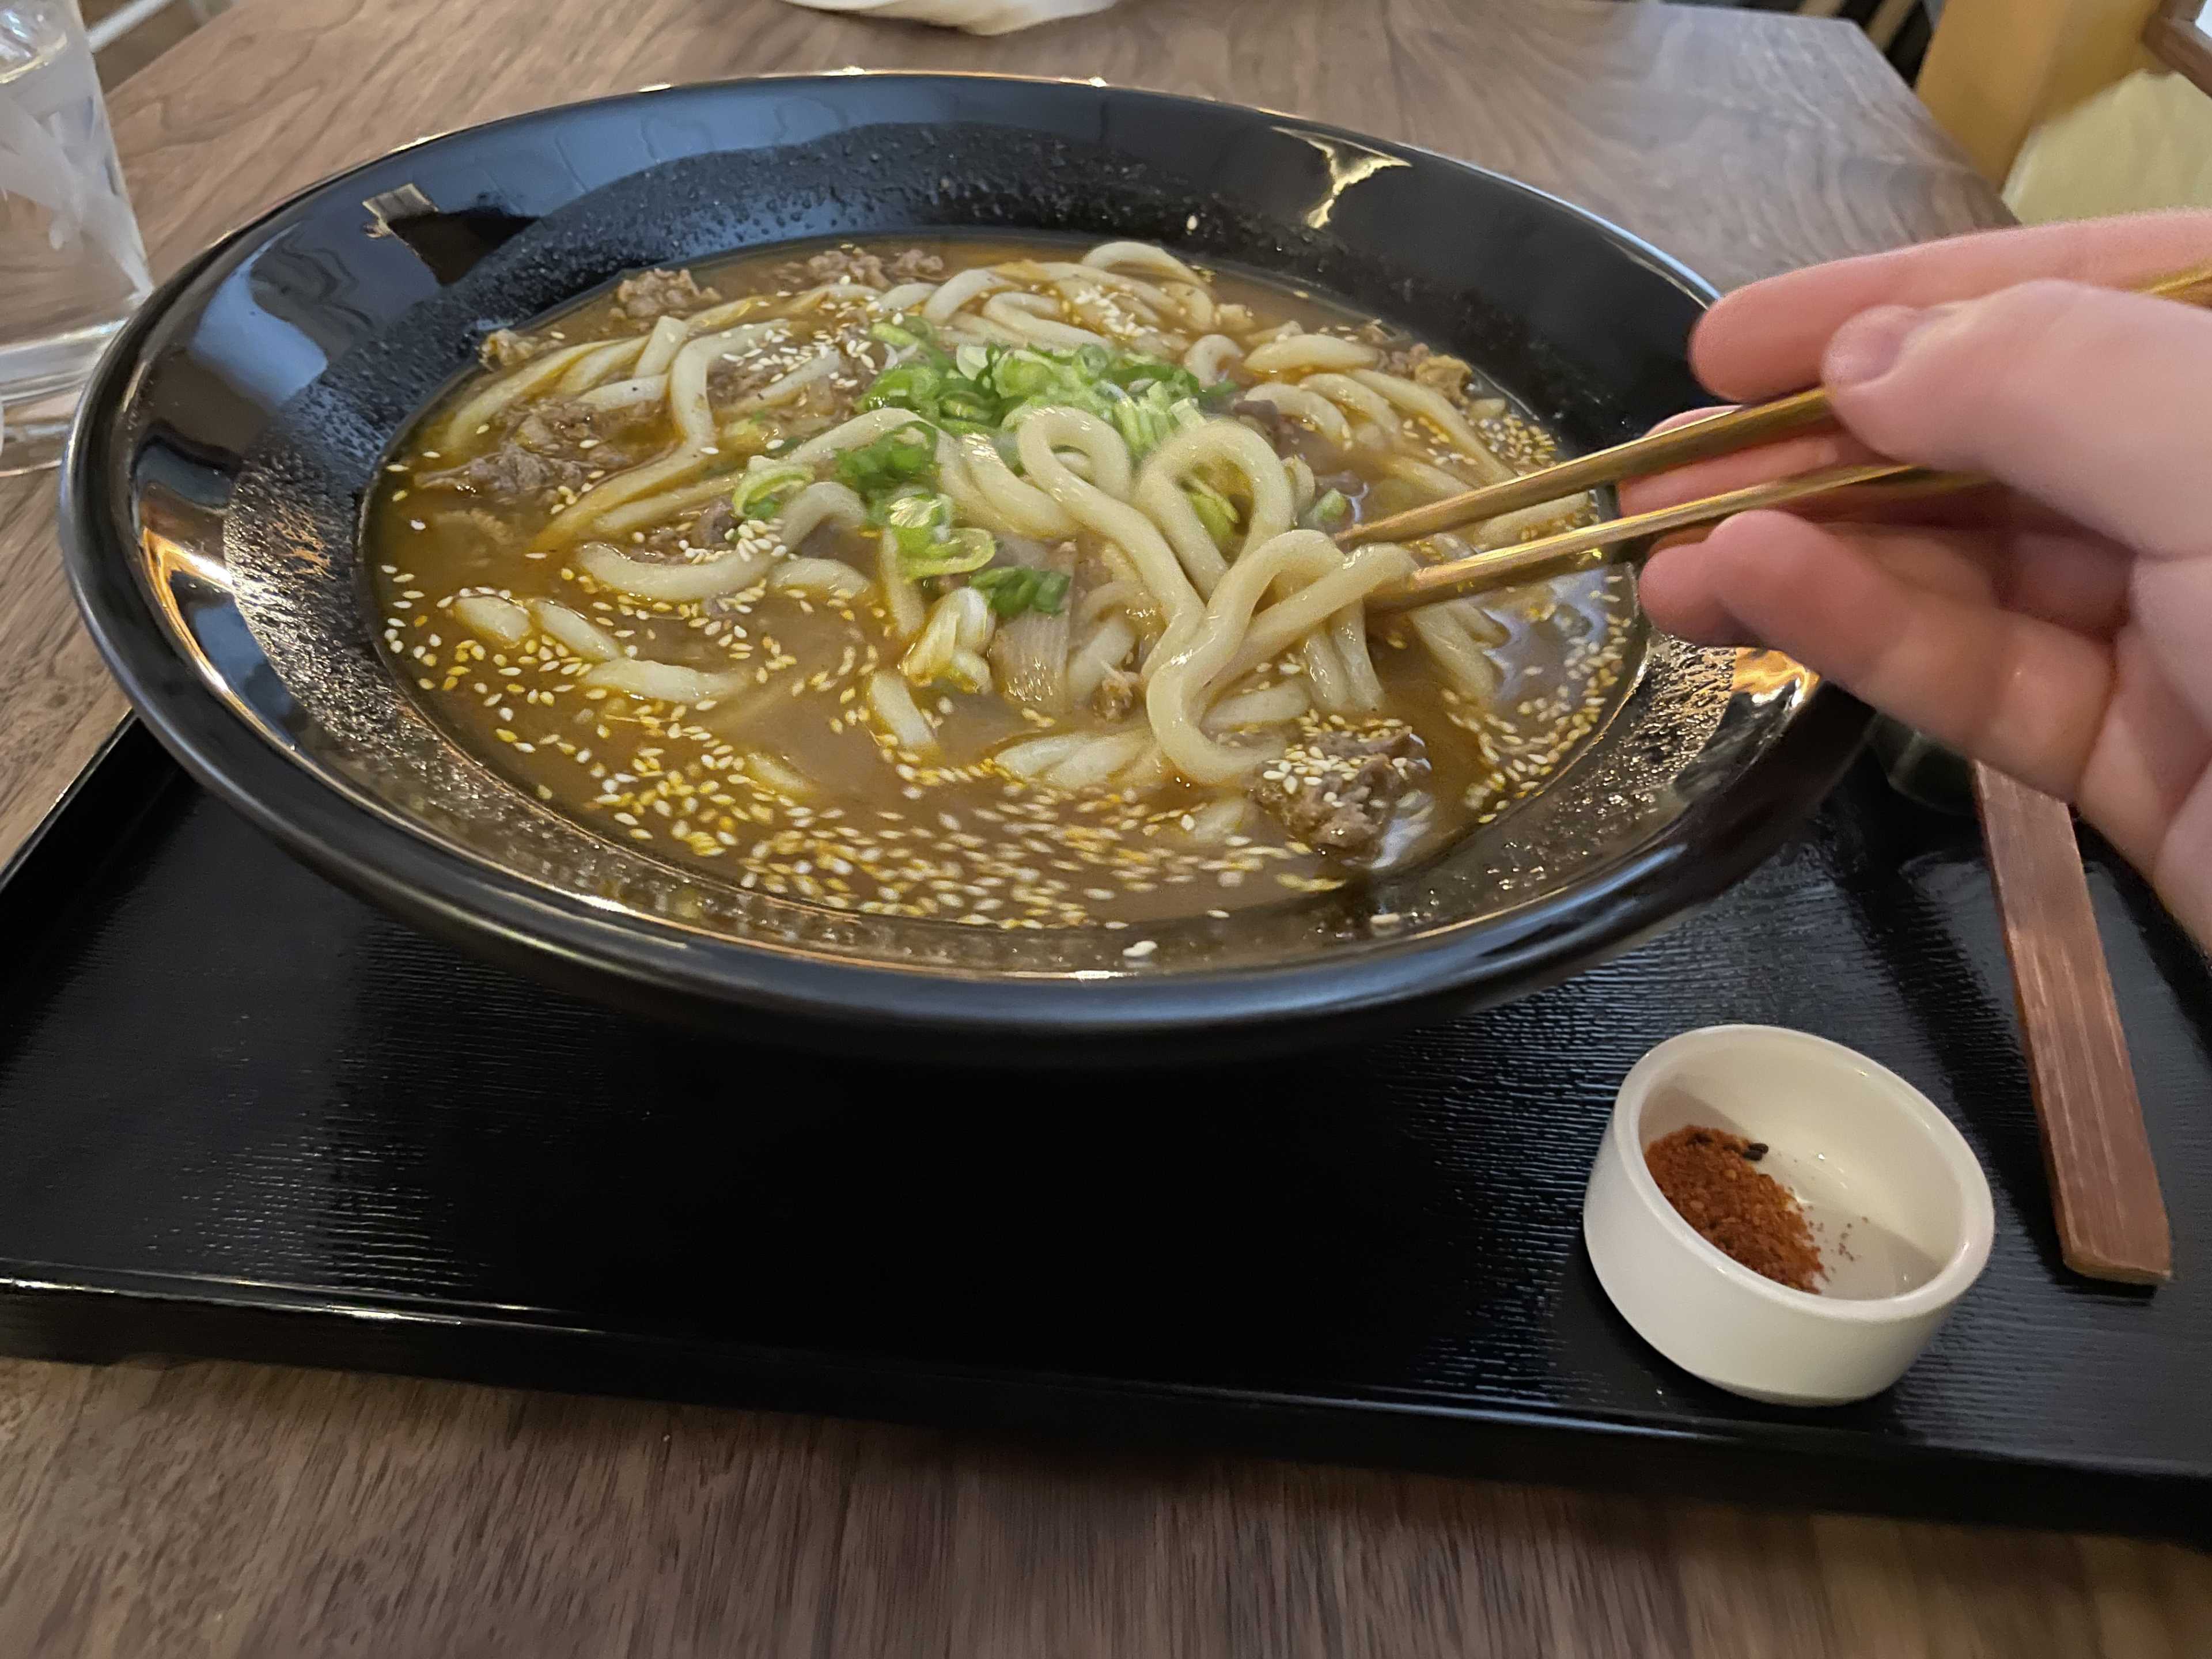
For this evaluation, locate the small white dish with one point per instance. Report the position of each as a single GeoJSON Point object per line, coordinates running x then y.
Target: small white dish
{"type": "Point", "coordinates": [1898, 1204]}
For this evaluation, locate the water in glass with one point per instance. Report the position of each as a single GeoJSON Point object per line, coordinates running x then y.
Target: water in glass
{"type": "Point", "coordinates": [71, 266]}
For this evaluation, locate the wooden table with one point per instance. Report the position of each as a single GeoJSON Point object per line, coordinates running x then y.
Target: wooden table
{"type": "Point", "coordinates": [227, 1509]}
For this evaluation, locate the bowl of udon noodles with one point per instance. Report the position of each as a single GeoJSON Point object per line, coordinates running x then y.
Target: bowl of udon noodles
{"type": "Point", "coordinates": [854, 559]}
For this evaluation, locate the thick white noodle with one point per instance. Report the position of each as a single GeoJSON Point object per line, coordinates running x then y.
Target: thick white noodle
{"type": "Point", "coordinates": [1481, 627]}
{"type": "Point", "coordinates": [721, 316]}
{"type": "Point", "coordinates": [668, 336]}
{"type": "Point", "coordinates": [775, 775]}
{"type": "Point", "coordinates": [1439, 412]}
{"type": "Point", "coordinates": [785, 387]}
{"type": "Point", "coordinates": [626, 394]}
{"type": "Point", "coordinates": [687, 378]}
{"type": "Point", "coordinates": [1270, 705]}
{"type": "Point", "coordinates": [655, 509]}
{"type": "Point", "coordinates": [1308, 408]}
{"type": "Point", "coordinates": [895, 706]}
{"type": "Point", "coordinates": [578, 632]}
{"type": "Point", "coordinates": [1194, 302]}
{"type": "Point", "coordinates": [1517, 526]}
{"type": "Point", "coordinates": [905, 297]}
{"type": "Point", "coordinates": [1119, 595]}
{"type": "Point", "coordinates": [1326, 581]}
{"type": "Point", "coordinates": [903, 602]}
{"type": "Point", "coordinates": [861, 429]}
{"type": "Point", "coordinates": [1300, 352]}
{"type": "Point", "coordinates": [1217, 821]}
{"type": "Point", "coordinates": [1018, 504]}
{"type": "Point", "coordinates": [1031, 757]}
{"type": "Point", "coordinates": [1097, 505]}
{"type": "Point", "coordinates": [678, 584]}
{"type": "Point", "coordinates": [502, 394]}
{"type": "Point", "coordinates": [1093, 277]}
{"type": "Point", "coordinates": [825, 578]}
{"type": "Point", "coordinates": [1470, 671]}
{"type": "Point", "coordinates": [695, 422]}
{"type": "Point", "coordinates": [1215, 443]}
{"type": "Point", "coordinates": [815, 506]}
{"type": "Point", "coordinates": [664, 682]}
{"type": "Point", "coordinates": [1364, 401]}
{"type": "Point", "coordinates": [1101, 755]}
{"type": "Point", "coordinates": [814, 298]}
{"type": "Point", "coordinates": [1321, 600]}
{"type": "Point", "coordinates": [1431, 477]}
{"type": "Point", "coordinates": [1087, 296]}
{"type": "Point", "coordinates": [1209, 357]}
{"type": "Point", "coordinates": [1035, 319]}
{"type": "Point", "coordinates": [1142, 256]}
{"type": "Point", "coordinates": [969, 504]}
{"type": "Point", "coordinates": [500, 621]}
{"type": "Point", "coordinates": [954, 292]}
{"type": "Point", "coordinates": [1106, 649]}
{"type": "Point", "coordinates": [593, 367]}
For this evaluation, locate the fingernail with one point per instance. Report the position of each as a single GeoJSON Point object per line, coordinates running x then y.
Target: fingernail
{"type": "Point", "coordinates": [1868, 346]}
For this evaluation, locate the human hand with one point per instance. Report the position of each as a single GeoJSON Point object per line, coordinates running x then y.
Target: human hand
{"type": "Point", "coordinates": [2058, 626]}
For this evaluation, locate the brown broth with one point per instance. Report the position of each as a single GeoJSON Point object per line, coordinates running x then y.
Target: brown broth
{"type": "Point", "coordinates": [875, 829]}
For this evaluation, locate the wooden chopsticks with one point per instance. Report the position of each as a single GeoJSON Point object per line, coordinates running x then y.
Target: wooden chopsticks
{"type": "Point", "coordinates": [1655, 451]}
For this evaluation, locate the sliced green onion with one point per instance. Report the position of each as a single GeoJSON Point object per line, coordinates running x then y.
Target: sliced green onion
{"type": "Point", "coordinates": [955, 554]}
{"type": "Point", "coordinates": [759, 492]}
{"type": "Point", "coordinates": [1215, 511]}
{"type": "Point", "coordinates": [1328, 510]}
{"type": "Point", "coordinates": [911, 386]}
{"type": "Point", "coordinates": [1013, 588]}
{"type": "Point", "coordinates": [906, 455]}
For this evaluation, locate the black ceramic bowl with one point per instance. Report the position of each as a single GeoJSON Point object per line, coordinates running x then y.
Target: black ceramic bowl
{"type": "Point", "coordinates": [212, 495]}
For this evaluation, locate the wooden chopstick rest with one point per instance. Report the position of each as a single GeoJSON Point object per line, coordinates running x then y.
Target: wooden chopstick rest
{"type": "Point", "coordinates": [2103, 1186]}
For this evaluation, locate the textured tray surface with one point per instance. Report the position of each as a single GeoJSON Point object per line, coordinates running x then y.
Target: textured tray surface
{"type": "Point", "coordinates": [228, 1083]}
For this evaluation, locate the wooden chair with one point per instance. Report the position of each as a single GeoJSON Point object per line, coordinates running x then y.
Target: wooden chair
{"type": "Point", "coordinates": [1996, 70]}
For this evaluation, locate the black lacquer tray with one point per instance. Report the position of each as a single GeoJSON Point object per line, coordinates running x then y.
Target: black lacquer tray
{"type": "Point", "coordinates": [243, 1115]}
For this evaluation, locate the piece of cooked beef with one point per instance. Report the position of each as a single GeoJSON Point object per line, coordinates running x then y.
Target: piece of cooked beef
{"type": "Point", "coordinates": [1335, 789]}
{"type": "Point", "coordinates": [557, 443]}
{"type": "Point", "coordinates": [673, 544]}
{"type": "Point", "coordinates": [1273, 424]}
{"type": "Point", "coordinates": [655, 294]}
{"type": "Point", "coordinates": [716, 525]}
{"type": "Point", "coordinates": [1436, 370]}
{"type": "Point", "coordinates": [733, 378]}
{"type": "Point", "coordinates": [850, 264]}
{"type": "Point", "coordinates": [503, 349]}
{"type": "Point", "coordinates": [489, 528]}
{"type": "Point", "coordinates": [1116, 696]}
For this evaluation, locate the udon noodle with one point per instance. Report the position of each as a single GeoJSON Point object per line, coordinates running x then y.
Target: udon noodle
{"type": "Point", "coordinates": [990, 583]}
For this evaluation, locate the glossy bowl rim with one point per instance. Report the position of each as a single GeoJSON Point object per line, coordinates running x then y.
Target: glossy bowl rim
{"type": "Point", "coordinates": [457, 893]}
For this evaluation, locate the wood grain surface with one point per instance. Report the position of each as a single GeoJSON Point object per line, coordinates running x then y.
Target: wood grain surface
{"type": "Point", "coordinates": [224, 1510]}
{"type": "Point", "coordinates": [2103, 1185]}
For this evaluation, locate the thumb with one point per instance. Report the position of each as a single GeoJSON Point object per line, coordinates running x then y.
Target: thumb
{"type": "Point", "coordinates": [2096, 402]}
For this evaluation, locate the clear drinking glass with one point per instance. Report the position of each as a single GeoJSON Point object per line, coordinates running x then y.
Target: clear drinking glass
{"type": "Point", "coordinates": [71, 266]}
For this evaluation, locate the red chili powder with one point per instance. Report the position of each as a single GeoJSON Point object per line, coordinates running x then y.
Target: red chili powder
{"type": "Point", "coordinates": [1713, 1178]}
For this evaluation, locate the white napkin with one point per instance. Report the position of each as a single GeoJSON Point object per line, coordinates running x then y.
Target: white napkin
{"type": "Point", "coordinates": [976, 16]}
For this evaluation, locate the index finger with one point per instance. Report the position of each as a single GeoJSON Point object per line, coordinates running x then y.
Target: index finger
{"type": "Point", "coordinates": [1767, 339]}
